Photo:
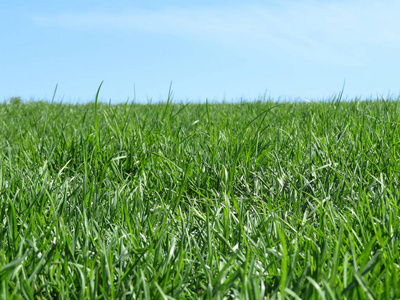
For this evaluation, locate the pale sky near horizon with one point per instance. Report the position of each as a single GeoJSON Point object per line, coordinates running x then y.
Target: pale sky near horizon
{"type": "Point", "coordinates": [220, 50]}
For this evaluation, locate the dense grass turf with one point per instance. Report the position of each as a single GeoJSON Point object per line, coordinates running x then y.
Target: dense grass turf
{"type": "Point", "coordinates": [251, 200]}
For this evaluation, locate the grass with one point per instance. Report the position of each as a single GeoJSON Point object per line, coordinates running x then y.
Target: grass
{"type": "Point", "coordinates": [255, 200]}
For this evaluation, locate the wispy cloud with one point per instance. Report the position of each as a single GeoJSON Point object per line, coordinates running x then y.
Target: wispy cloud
{"type": "Point", "coordinates": [318, 31]}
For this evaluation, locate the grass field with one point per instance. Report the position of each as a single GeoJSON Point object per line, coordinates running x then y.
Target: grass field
{"type": "Point", "coordinates": [254, 200]}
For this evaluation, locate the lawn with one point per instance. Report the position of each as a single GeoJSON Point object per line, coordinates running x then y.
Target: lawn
{"type": "Point", "coordinates": [251, 200]}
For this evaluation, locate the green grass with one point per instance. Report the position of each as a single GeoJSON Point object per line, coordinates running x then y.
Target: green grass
{"type": "Point", "coordinates": [257, 200]}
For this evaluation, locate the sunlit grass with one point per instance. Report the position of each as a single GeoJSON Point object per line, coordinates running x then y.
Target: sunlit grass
{"type": "Point", "coordinates": [254, 200]}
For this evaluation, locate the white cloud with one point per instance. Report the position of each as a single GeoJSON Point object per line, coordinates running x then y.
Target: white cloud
{"type": "Point", "coordinates": [317, 31]}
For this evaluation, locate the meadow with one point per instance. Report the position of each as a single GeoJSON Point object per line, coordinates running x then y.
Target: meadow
{"type": "Point", "coordinates": [250, 200]}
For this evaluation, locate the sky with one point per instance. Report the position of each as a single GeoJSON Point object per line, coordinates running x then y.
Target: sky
{"type": "Point", "coordinates": [216, 50]}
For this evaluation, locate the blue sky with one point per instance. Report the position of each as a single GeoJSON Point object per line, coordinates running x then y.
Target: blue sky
{"type": "Point", "coordinates": [220, 50]}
